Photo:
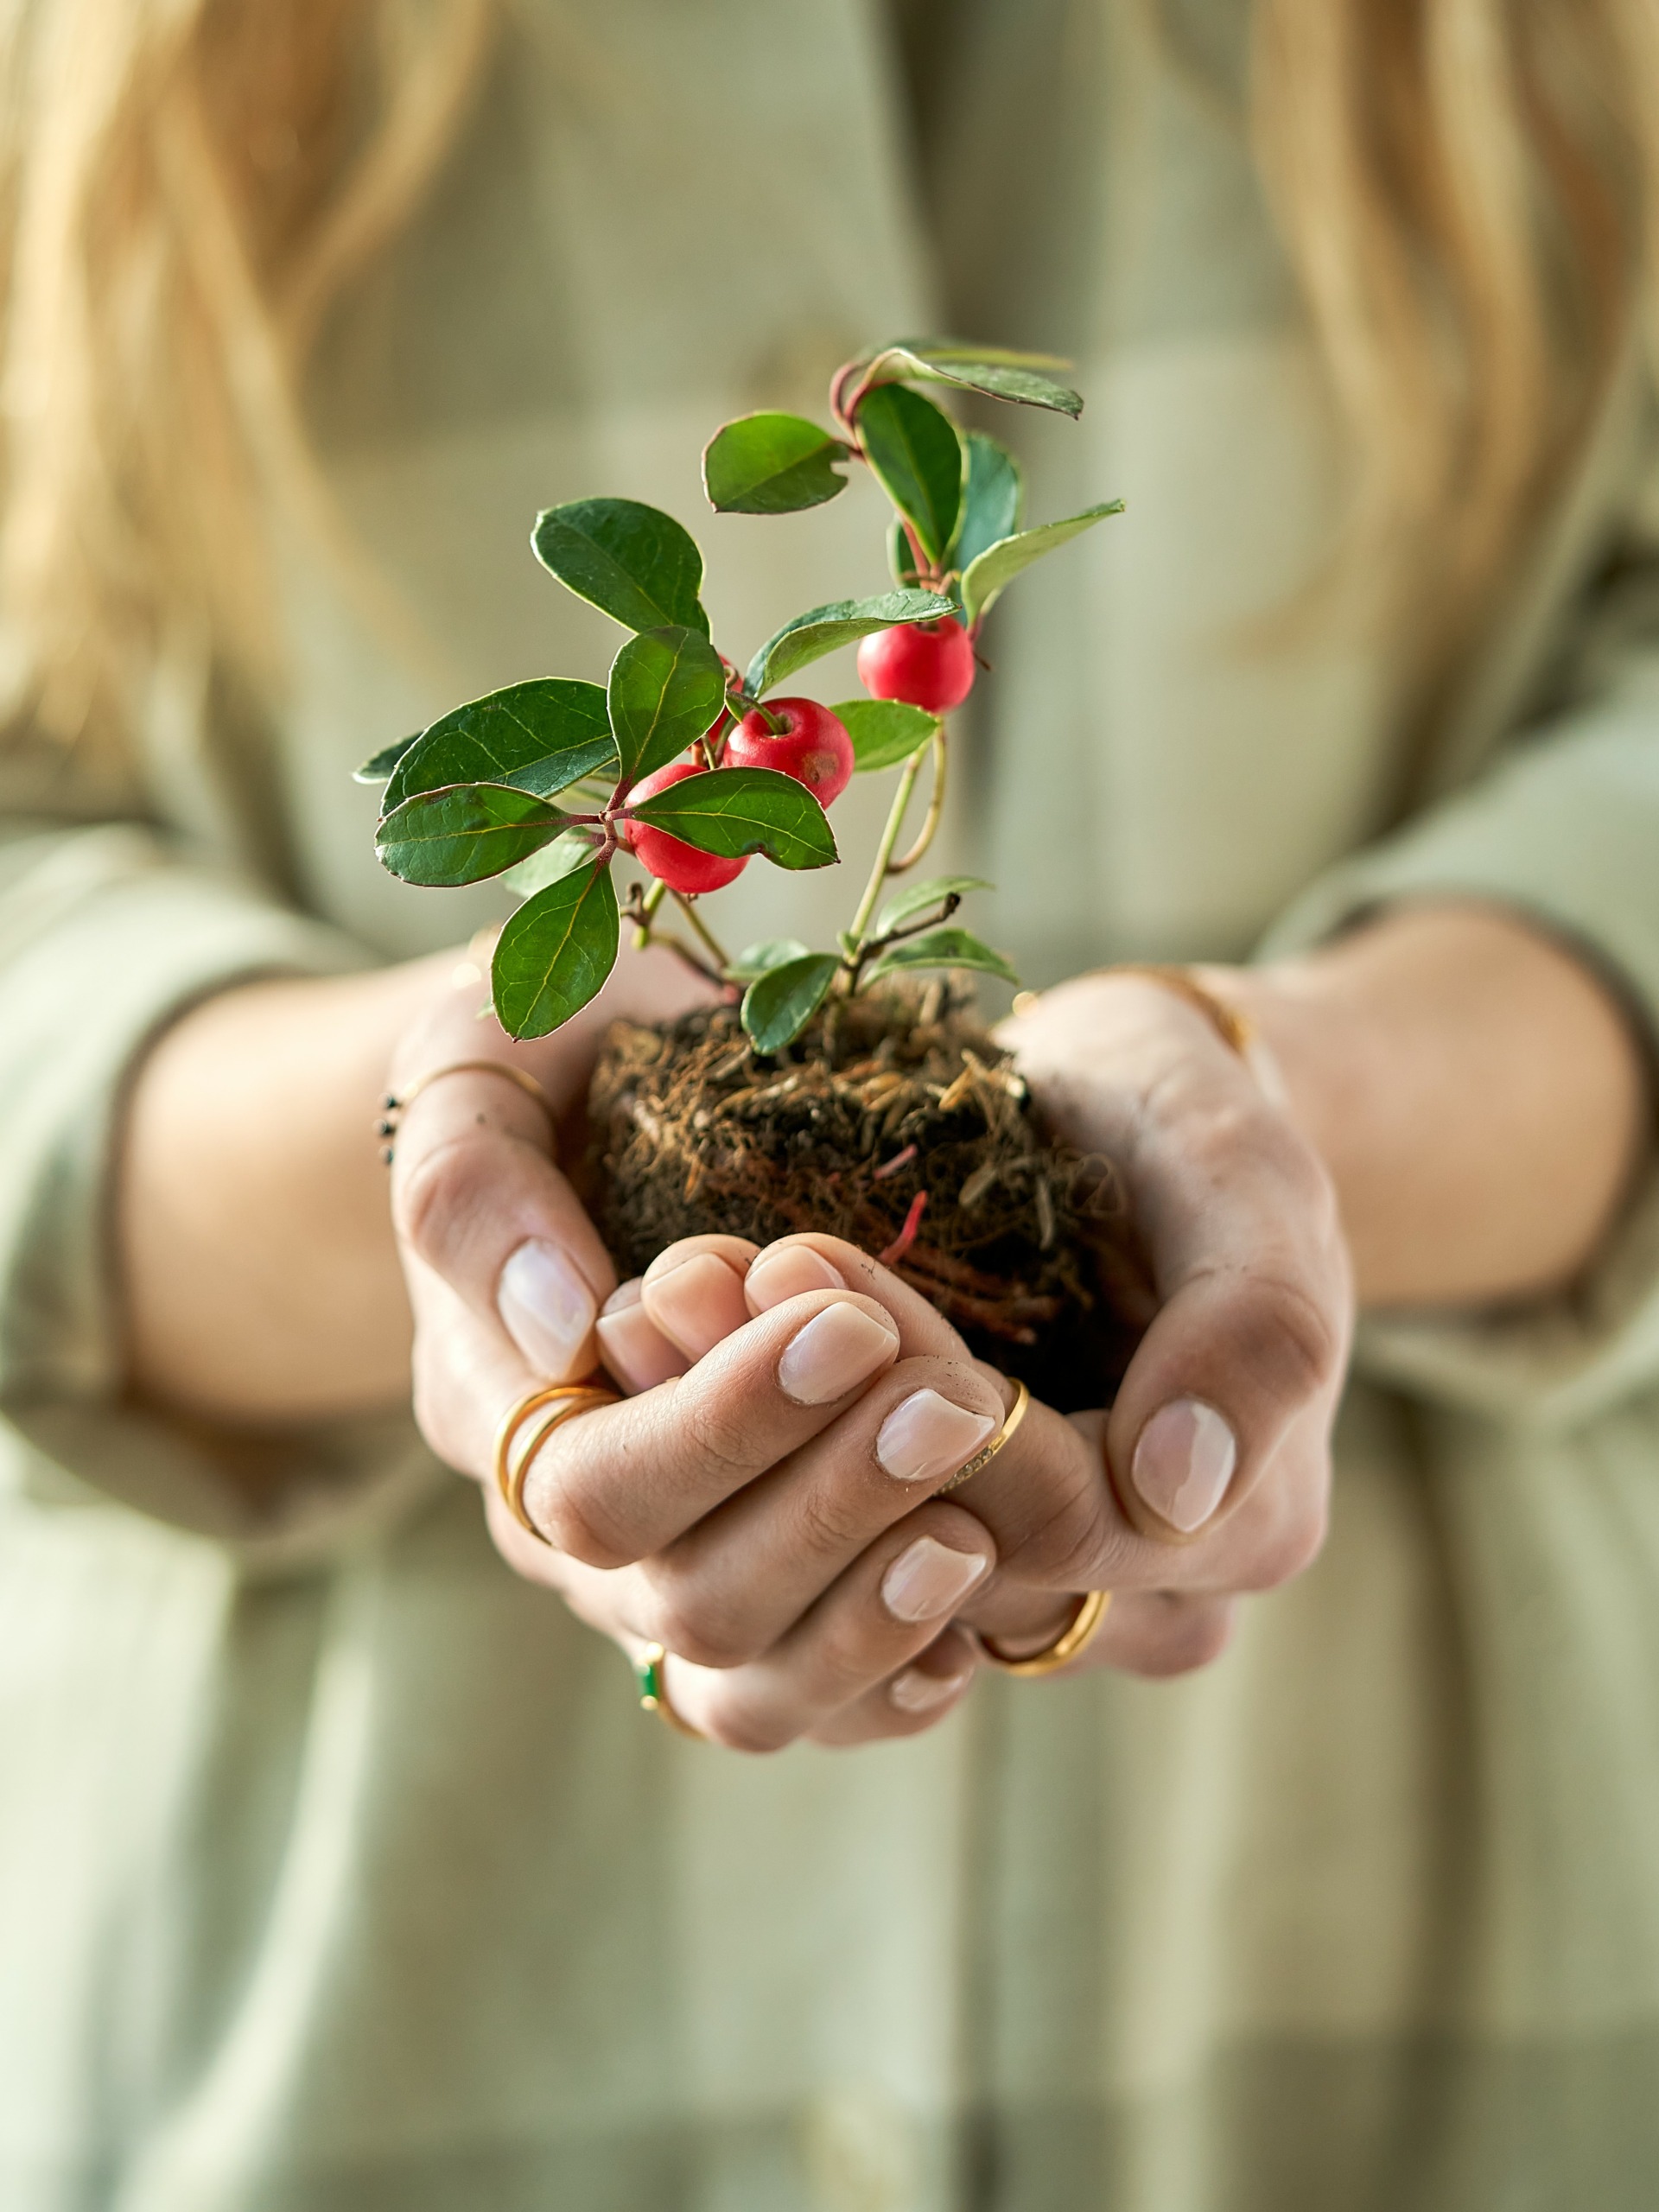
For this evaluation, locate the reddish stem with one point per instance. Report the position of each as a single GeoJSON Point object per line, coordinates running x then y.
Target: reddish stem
{"type": "Point", "coordinates": [892, 1166]}
{"type": "Point", "coordinates": [906, 1236]}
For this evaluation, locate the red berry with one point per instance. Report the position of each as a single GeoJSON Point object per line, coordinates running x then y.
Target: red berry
{"type": "Point", "coordinates": [674, 862]}
{"type": "Point", "coordinates": [927, 664]}
{"type": "Point", "coordinates": [809, 743]}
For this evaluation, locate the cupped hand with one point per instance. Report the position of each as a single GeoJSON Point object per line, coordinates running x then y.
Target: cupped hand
{"type": "Point", "coordinates": [1209, 1477]}
{"type": "Point", "coordinates": [780, 1536]}
{"type": "Point", "coordinates": [814, 1606]}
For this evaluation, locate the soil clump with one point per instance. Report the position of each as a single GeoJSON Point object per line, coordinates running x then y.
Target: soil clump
{"type": "Point", "coordinates": [894, 1121]}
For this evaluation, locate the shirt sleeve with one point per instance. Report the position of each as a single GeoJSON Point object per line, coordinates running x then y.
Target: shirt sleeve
{"type": "Point", "coordinates": [106, 935]}
{"type": "Point", "coordinates": [1565, 831]}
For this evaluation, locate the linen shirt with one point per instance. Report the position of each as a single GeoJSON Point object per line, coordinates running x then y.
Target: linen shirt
{"type": "Point", "coordinates": [338, 1867]}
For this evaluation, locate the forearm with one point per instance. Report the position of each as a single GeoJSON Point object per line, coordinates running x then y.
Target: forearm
{"type": "Point", "coordinates": [1476, 1091]}
{"type": "Point", "coordinates": [261, 1282]}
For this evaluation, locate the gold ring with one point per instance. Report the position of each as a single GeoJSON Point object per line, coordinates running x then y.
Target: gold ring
{"type": "Point", "coordinates": [1075, 1637]}
{"type": "Point", "coordinates": [568, 1400]}
{"type": "Point", "coordinates": [987, 1452]}
{"type": "Point", "coordinates": [651, 1672]}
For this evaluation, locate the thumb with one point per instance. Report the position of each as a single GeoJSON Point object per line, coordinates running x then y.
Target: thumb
{"type": "Point", "coordinates": [478, 1200]}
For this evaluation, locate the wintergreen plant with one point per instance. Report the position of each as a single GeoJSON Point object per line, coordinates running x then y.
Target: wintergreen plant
{"type": "Point", "coordinates": [687, 768]}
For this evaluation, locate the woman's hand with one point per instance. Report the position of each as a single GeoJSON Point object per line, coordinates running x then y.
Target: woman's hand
{"type": "Point", "coordinates": [1209, 1478]}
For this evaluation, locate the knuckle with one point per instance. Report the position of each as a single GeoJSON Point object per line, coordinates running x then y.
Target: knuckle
{"type": "Point", "coordinates": [570, 1519]}
{"type": "Point", "coordinates": [1289, 1336]}
{"type": "Point", "coordinates": [827, 1525]}
{"type": "Point", "coordinates": [698, 1628]}
{"type": "Point", "coordinates": [1190, 1636]}
{"type": "Point", "coordinates": [1069, 1535]}
{"type": "Point", "coordinates": [719, 1431]}
{"type": "Point", "coordinates": [852, 1658]}
{"type": "Point", "coordinates": [441, 1194]}
{"type": "Point", "coordinates": [1289, 1549]}
{"type": "Point", "coordinates": [741, 1725]}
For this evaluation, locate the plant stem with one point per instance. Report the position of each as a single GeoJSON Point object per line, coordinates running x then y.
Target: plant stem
{"type": "Point", "coordinates": [715, 948]}
{"type": "Point", "coordinates": [935, 809]}
{"type": "Point", "coordinates": [643, 909]}
{"type": "Point", "coordinates": [692, 959]}
{"type": "Point", "coordinates": [737, 708]}
{"type": "Point", "coordinates": [884, 853]}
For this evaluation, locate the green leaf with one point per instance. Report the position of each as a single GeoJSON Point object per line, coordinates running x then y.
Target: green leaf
{"type": "Point", "coordinates": [992, 370]}
{"type": "Point", "coordinates": [539, 737]}
{"type": "Point", "coordinates": [821, 629]}
{"type": "Point", "coordinates": [633, 562]}
{"type": "Point", "coordinates": [946, 947]}
{"type": "Point", "coordinates": [773, 952]}
{"type": "Point", "coordinates": [917, 898]}
{"type": "Point", "coordinates": [992, 496]}
{"type": "Point", "coordinates": [884, 731]}
{"type": "Point", "coordinates": [916, 452]}
{"type": "Point", "coordinates": [666, 687]}
{"type": "Point", "coordinates": [730, 811]}
{"type": "Point", "coordinates": [380, 765]}
{"type": "Point", "coordinates": [778, 1006]}
{"type": "Point", "coordinates": [988, 576]}
{"type": "Point", "coordinates": [771, 465]}
{"type": "Point", "coordinates": [465, 834]}
{"type": "Point", "coordinates": [573, 850]}
{"type": "Point", "coordinates": [556, 952]}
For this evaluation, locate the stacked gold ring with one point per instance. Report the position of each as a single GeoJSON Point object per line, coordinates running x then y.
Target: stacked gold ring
{"type": "Point", "coordinates": [567, 1400]}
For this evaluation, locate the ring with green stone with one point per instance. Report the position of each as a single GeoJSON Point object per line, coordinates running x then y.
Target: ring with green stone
{"type": "Point", "coordinates": [651, 1672]}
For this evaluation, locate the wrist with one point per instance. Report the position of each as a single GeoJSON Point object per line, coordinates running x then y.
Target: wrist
{"type": "Point", "coordinates": [1474, 1088]}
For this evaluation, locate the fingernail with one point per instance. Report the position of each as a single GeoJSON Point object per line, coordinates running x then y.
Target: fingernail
{"type": "Point", "coordinates": [699, 1303]}
{"type": "Point", "coordinates": [634, 1348]}
{"type": "Point", "coordinates": [925, 1436]}
{"type": "Point", "coordinates": [546, 1306]}
{"type": "Point", "coordinates": [785, 1273]}
{"type": "Point", "coordinates": [915, 1692]}
{"type": "Point", "coordinates": [837, 1349]}
{"type": "Point", "coordinates": [930, 1579]}
{"type": "Point", "coordinates": [1184, 1462]}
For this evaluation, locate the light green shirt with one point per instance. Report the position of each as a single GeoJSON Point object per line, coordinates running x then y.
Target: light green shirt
{"type": "Point", "coordinates": [338, 1870]}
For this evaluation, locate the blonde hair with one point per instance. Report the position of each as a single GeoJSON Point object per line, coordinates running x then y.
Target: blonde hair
{"type": "Point", "coordinates": [185, 186]}
{"type": "Point", "coordinates": [1468, 189]}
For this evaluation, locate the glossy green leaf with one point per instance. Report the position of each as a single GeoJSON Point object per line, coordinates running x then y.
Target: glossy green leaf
{"type": "Point", "coordinates": [380, 765]}
{"type": "Point", "coordinates": [996, 568]}
{"type": "Point", "coordinates": [771, 465]}
{"type": "Point", "coordinates": [916, 452]}
{"type": "Point", "coordinates": [992, 497]}
{"type": "Point", "coordinates": [773, 952]}
{"type": "Point", "coordinates": [666, 687]}
{"type": "Point", "coordinates": [992, 370]}
{"type": "Point", "coordinates": [556, 952]}
{"type": "Point", "coordinates": [916, 898]}
{"type": "Point", "coordinates": [731, 811]}
{"type": "Point", "coordinates": [822, 629]}
{"type": "Point", "coordinates": [572, 849]}
{"type": "Point", "coordinates": [633, 562]}
{"type": "Point", "coordinates": [539, 737]}
{"type": "Point", "coordinates": [945, 948]}
{"type": "Point", "coordinates": [884, 731]}
{"type": "Point", "coordinates": [778, 1006]}
{"type": "Point", "coordinates": [466, 834]}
